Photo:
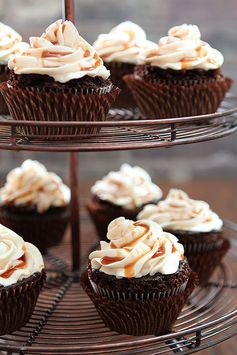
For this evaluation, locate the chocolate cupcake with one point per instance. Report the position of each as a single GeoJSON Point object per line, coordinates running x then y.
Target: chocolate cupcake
{"type": "Point", "coordinates": [35, 204]}
{"type": "Point", "coordinates": [198, 228]}
{"type": "Point", "coordinates": [21, 279]}
{"type": "Point", "coordinates": [121, 193]}
{"type": "Point", "coordinates": [59, 78]}
{"type": "Point", "coordinates": [120, 49]}
{"type": "Point", "coordinates": [181, 77]}
{"type": "Point", "coordinates": [139, 281]}
{"type": "Point", "coordinates": [10, 44]}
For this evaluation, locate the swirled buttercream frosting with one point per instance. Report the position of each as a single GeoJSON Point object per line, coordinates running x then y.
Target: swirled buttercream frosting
{"type": "Point", "coordinates": [18, 259]}
{"type": "Point", "coordinates": [32, 185]}
{"type": "Point", "coordinates": [130, 187]}
{"type": "Point", "coordinates": [10, 43]}
{"type": "Point", "coordinates": [60, 53]}
{"type": "Point", "coordinates": [137, 249]}
{"type": "Point", "coordinates": [123, 43]}
{"type": "Point", "coordinates": [182, 49]}
{"type": "Point", "coordinates": [179, 212]}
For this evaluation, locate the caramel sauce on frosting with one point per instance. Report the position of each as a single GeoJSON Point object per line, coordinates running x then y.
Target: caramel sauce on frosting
{"type": "Point", "coordinates": [18, 259]}
{"type": "Point", "coordinates": [136, 249]}
{"type": "Point", "coordinates": [60, 53]}
{"type": "Point", "coordinates": [123, 43]}
{"type": "Point", "coordinates": [182, 49]}
{"type": "Point", "coordinates": [179, 212]}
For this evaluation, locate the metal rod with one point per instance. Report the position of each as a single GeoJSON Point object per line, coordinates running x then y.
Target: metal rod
{"type": "Point", "coordinates": [75, 211]}
{"type": "Point", "coordinates": [68, 14]}
{"type": "Point", "coordinates": [68, 10]}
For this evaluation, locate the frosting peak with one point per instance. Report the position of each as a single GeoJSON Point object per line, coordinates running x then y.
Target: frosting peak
{"type": "Point", "coordinates": [123, 43]}
{"type": "Point", "coordinates": [182, 49]}
{"type": "Point", "coordinates": [179, 212]}
{"type": "Point", "coordinates": [137, 249]}
{"type": "Point", "coordinates": [184, 32]}
{"type": "Point", "coordinates": [60, 53]}
{"type": "Point", "coordinates": [31, 184]}
{"type": "Point", "coordinates": [18, 259]}
{"type": "Point", "coordinates": [10, 43]}
{"type": "Point", "coordinates": [130, 187]}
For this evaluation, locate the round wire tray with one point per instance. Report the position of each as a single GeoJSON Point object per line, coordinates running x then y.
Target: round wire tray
{"type": "Point", "coordinates": [66, 322]}
{"type": "Point", "coordinates": [123, 130]}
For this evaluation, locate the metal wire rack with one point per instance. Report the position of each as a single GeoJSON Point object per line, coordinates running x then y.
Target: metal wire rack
{"type": "Point", "coordinates": [66, 322]}
{"type": "Point", "coordinates": [123, 130]}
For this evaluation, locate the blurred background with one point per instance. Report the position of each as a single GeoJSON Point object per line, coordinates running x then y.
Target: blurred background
{"type": "Point", "coordinates": [212, 162]}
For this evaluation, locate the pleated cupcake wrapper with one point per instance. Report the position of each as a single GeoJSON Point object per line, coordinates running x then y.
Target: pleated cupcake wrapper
{"type": "Point", "coordinates": [137, 317]}
{"type": "Point", "coordinates": [44, 231]}
{"type": "Point", "coordinates": [118, 70]}
{"type": "Point", "coordinates": [116, 295]}
{"type": "Point", "coordinates": [199, 247]}
{"type": "Point", "coordinates": [49, 104]}
{"type": "Point", "coordinates": [3, 77]}
{"type": "Point", "coordinates": [17, 302]}
{"type": "Point", "coordinates": [169, 99]}
{"type": "Point", "coordinates": [205, 263]}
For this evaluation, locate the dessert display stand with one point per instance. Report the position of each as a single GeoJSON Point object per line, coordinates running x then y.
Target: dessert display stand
{"type": "Point", "coordinates": [65, 320]}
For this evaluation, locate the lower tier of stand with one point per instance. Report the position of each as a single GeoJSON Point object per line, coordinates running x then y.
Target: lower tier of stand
{"type": "Point", "coordinates": [66, 322]}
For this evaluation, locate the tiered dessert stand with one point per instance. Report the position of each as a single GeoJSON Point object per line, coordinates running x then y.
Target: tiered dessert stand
{"type": "Point", "coordinates": [65, 321]}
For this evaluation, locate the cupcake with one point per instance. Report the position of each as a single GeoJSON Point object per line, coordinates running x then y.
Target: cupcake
{"type": "Point", "coordinates": [59, 78]}
{"type": "Point", "coordinates": [198, 228]}
{"type": "Point", "coordinates": [35, 204]}
{"type": "Point", "coordinates": [10, 44]}
{"type": "Point", "coordinates": [120, 49]}
{"type": "Point", "coordinates": [138, 281]}
{"type": "Point", "coordinates": [121, 193]}
{"type": "Point", "coordinates": [181, 77]}
{"type": "Point", "coordinates": [21, 279]}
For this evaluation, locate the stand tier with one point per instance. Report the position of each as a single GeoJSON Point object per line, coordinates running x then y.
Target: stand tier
{"type": "Point", "coordinates": [66, 322]}
{"type": "Point", "coordinates": [122, 131]}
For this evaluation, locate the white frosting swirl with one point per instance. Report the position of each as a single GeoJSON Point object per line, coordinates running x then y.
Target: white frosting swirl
{"type": "Point", "coordinates": [179, 212]}
{"type": "Point", "coordinates": [60, 53]}
{"type": "Point", "coordinates": [137, 249]}
{"type": "Point", "coordinates": [18, 259]}
{"type": "Point", "coordinates": [31, 184]}
{"type": "Point", "coordinates": [123, 43]}
{"type": "Point", "coordinates": [10, 43]}
{"type": "Point", "coordinates": [182, 49]}
{"type": "Point", "coordinates": [130, 187]}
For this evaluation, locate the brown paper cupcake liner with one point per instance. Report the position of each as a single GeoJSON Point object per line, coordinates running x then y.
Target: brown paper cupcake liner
{"type": "Point", "coordinates": [204, 264]}
{"type": "Point", "coordinates": [50, 104]}
{"type": "Point", "coordinates": [139, 317]}
{"type": "Point", "coordinates": [43, 230]}
{"type": "Point", "coordinates": [4, 73]}
{"type": "Point", "coordinates": [118, 70]}
{"type": "Point", "coordinates": [148, 296]}
{"type": "Point", "coordinates": [169, 100]}
{"type": "Point", "coordinates": [17, 302]}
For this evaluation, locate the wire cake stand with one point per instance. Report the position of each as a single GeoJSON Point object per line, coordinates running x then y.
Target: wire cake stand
{"type": "Point", "coordinates": [65, 320]}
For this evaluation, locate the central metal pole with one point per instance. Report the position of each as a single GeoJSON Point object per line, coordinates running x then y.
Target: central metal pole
{"type": "Point", "coordinates": [68, 14]}
{"type": "Point", "coordinates": [68, 10]}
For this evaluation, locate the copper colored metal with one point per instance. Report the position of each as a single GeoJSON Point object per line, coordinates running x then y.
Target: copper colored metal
{"type": "Point", "coordinates": [68, 10]}
{"type": "Point", "coordinates": [66, 322]}
{"type": "Point", "coordinates": [125, 130]}
{"type": "Point", "coordinates": [75, 213]}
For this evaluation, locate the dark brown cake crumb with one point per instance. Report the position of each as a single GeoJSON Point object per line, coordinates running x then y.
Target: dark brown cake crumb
{"type": "Point", "coordinates": [156, 74]}
{"type": "Point", "coordinates": [158, 282]}
{"type": "Point", "coordinates": [46, 81]}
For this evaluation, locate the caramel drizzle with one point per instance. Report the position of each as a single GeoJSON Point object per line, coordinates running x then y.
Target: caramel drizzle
{"type": "Point", "coordinates": [21, 265]}
{"type": "Point", "coordinates": [132, 242]}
